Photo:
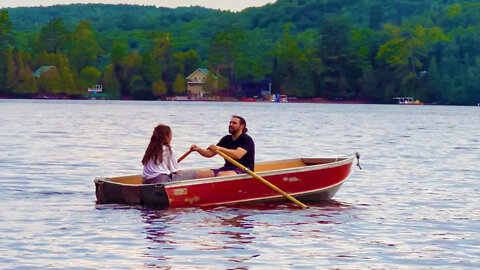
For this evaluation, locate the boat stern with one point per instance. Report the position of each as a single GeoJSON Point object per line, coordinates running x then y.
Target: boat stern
{"type": "Point", "coordinates": [108, 192]}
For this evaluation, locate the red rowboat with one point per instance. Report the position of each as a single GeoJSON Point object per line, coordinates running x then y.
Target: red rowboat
{"type": "Point", "coordinates": [306, 179]}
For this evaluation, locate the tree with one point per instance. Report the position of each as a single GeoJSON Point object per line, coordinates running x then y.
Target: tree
{"type": "Point", "coordinates": [119, 52]}
{"type": "Point", "coordinates": [375, 16]}
{"type": "Point", "coordinates": [7, 40]}
{"type": "Point", "coordinates": [186, 62]}
{"type": "Point", "coordinates": [20, 76]}
{"type": "Point", "coordinates": [111, 83]}
{"type": "Point", "coordinates": [214, 84]}
{"type": "Point", "coordinates": [7, 37]}
{"type": "Point", "coordinates": [223, 52]}
{"type": "Point", "coordinates": [90, 76]}
{"type": "Point", "coordinates": [67, 78]}
{"type": "Point", "coordinates": [434, 83]}
{"type": "Point", "coordinates": [406, 52]}
{"type": "Point", "coordinates": [49, 82]}
{"type": "Point", "coordinates": [131, 67]}
{"type": "Point", "coordinates": [27, 84]}
{"type": "Point", "coordinates": [155, 63]}
{"type": "Point", "coordinates": [66, 75]}
{"type": "Point", "coordinates": [291, 70]}
{"type": "Point", "coordinates": [179, 84]}
{"type": "Point", "coordinates": [334, 48]}
{"type": "Point", "coordinates": [53, 37]}
{"type": "Point", "coordinates": [84, 48]}
{"type": "Point", "coordinates": [159, 88]}
{"type": "Point", "coordinates": [139, 89]}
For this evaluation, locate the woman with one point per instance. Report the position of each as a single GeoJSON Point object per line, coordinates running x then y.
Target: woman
{"type": "Point", "coordinates": [160, 160]}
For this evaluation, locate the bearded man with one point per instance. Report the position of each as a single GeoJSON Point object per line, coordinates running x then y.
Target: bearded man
{"type": "Point", "coordinates": [238, 145]}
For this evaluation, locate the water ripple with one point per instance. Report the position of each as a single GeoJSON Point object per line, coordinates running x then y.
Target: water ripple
{"type": "Point", "coordinates": [413, 206]}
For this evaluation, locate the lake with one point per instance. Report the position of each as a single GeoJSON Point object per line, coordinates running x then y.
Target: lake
{"type": "Point", "coordinates": [414, 205]}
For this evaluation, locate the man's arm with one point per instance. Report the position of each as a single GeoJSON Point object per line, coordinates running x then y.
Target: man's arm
{"type": "Point", "coordinates": [233, 153]}
{"type": "Point", "coordinates": [204, 152]}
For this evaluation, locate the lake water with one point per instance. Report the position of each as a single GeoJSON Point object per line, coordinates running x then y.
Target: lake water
{"type": "Point", "coordinates": [415, 204]}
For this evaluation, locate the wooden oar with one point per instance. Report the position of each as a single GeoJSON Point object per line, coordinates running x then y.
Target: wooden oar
{"type": "Point", "coordinates": [261, 179]}
{"type": "Point", "coordinates": [184, 156]}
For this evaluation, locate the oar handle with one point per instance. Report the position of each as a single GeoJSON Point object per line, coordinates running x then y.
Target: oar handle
{"type": "Point", "coordinates": [261, 179]}
{"type": "Point", "coordinates": [184, 156]}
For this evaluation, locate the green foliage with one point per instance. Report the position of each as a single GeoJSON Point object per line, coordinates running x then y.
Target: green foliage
{"type": "Point", "coordinates": [159, 89]}
{"type": "Point", "coordinates": [157, 59]}
{"type": "Point", "coordinates": [119, 52]}
{"type": "Point", "coordinates": [139, 88]}
{"type": "Point", "coordinates": [83, 47]}
{"type": "Point", "coordinates": [223, 54]}
{"type": "Point", "coordinates": [90, 75]}
{"type": "Point", "coordinates": [111, 83]}
{"type": "Point", "coordinates": [27, 85]}
{"type": "Point", "coordinates": [20, 77]}
{"type": "Point", "coordinates": [7, 39]}
{"type": "Point", "coordinates": [341, 62]}
{"type": "Point", "coordinates": [292, 74]}
{"type": "Point", "coordinates": [316, 48]}
{"type": "Point", "coordinates": [49, 82]}
{"type": "Point", "coordinates": [187, 62]}
{"type": "Point", "coordinates": [179, 85]}
{"type": "Point", "coordinates": [61, 62]}
{"type": "Point", "coordinates": [52, 37]}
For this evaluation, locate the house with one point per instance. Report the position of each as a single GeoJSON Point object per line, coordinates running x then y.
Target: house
{"type": "Point", "coordinates": [44, 69]}
{"type": "Point", "coordinates": [196, 82]}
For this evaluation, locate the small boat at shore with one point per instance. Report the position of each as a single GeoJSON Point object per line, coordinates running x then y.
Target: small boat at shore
{"type": "Point", "coordinates": [407, 101]}
{"type": "Point", "coordinates": [306, 179]}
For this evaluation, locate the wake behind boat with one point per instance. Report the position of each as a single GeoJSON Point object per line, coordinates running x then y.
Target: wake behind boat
{"type": "Point", "coordinates": [306, 179]}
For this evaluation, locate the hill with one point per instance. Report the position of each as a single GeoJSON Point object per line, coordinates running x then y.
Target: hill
{"type": "Point", "coordinates": [368, 49]}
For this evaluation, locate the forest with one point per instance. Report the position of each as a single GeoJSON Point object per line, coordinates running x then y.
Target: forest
{"type": "Point", "coordinates": [366, 50]}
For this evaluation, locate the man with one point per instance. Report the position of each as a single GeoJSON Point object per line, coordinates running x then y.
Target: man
{"type": "Point", "coordinates": [238, 146]}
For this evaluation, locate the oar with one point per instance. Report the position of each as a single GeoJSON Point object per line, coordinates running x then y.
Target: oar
{"type": "Point", "coordinates": [184, 156]}
{"type": "Point", "coordinates": [261, 179]}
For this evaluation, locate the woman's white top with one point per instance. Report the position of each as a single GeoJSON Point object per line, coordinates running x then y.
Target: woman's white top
{"type": "Point", "coordinates": [168, 165]}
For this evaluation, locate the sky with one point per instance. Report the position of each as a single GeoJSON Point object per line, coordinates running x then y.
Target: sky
{"type": "Point", "coordinates": [232, 5]}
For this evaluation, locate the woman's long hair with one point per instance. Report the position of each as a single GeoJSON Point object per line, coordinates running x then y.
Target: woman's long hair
{"type": "Point", "coordinates": [155, 147]}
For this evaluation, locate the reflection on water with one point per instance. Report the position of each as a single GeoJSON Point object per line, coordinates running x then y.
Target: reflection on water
{"type": "Point", "coordinates": [236, 234]}
{"type": "Point", "coordinates": [413, 206]}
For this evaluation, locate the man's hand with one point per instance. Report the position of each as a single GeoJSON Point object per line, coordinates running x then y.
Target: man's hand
{"type": "Point", "coordinates": [212, 148]}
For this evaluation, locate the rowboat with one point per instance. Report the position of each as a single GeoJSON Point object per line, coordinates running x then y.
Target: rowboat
{"type": "Point", "coordinates": [306, 179]}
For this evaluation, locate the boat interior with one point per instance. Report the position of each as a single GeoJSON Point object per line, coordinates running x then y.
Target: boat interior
{"type": "Point", "coordinates": [259, 167]}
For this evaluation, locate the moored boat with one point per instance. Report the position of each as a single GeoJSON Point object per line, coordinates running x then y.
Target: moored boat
{"type": "Point", "coordinates": [407, 101]}
{"type": "Point", "coordinates": [306, 179]}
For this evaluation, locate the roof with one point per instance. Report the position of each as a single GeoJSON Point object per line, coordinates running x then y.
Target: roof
{"type": "Point", "coordinates": [204, 70]}
{"type": "Point", "coordinates": [42, 69]}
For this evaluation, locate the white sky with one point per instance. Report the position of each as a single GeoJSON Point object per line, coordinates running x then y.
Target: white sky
{"type": "Point", "coordinates": [233, 5]}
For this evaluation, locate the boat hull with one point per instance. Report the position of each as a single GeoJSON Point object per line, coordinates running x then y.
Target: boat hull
{"type": "Point", "coordinates": [309, 183]}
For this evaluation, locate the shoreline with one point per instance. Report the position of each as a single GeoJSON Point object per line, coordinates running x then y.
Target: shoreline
{"type": "Point", "coordinates": [213, 99]}
{"type": "Point", "coordinates": [223, 99]}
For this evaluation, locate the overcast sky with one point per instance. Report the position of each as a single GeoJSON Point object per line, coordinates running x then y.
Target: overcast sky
{"type": "Point", "coordinates": [233, 5]}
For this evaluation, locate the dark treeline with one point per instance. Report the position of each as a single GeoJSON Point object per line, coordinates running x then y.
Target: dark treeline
{"type": "Point", "coordinates": [356, 49]}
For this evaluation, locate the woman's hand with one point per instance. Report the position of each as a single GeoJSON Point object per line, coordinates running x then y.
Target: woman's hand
{"type": "Point", "coordinates": [194, 147]}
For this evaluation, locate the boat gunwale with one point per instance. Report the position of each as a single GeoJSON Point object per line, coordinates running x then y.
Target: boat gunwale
{"type": "Point", "coordinates": [339, 161]}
